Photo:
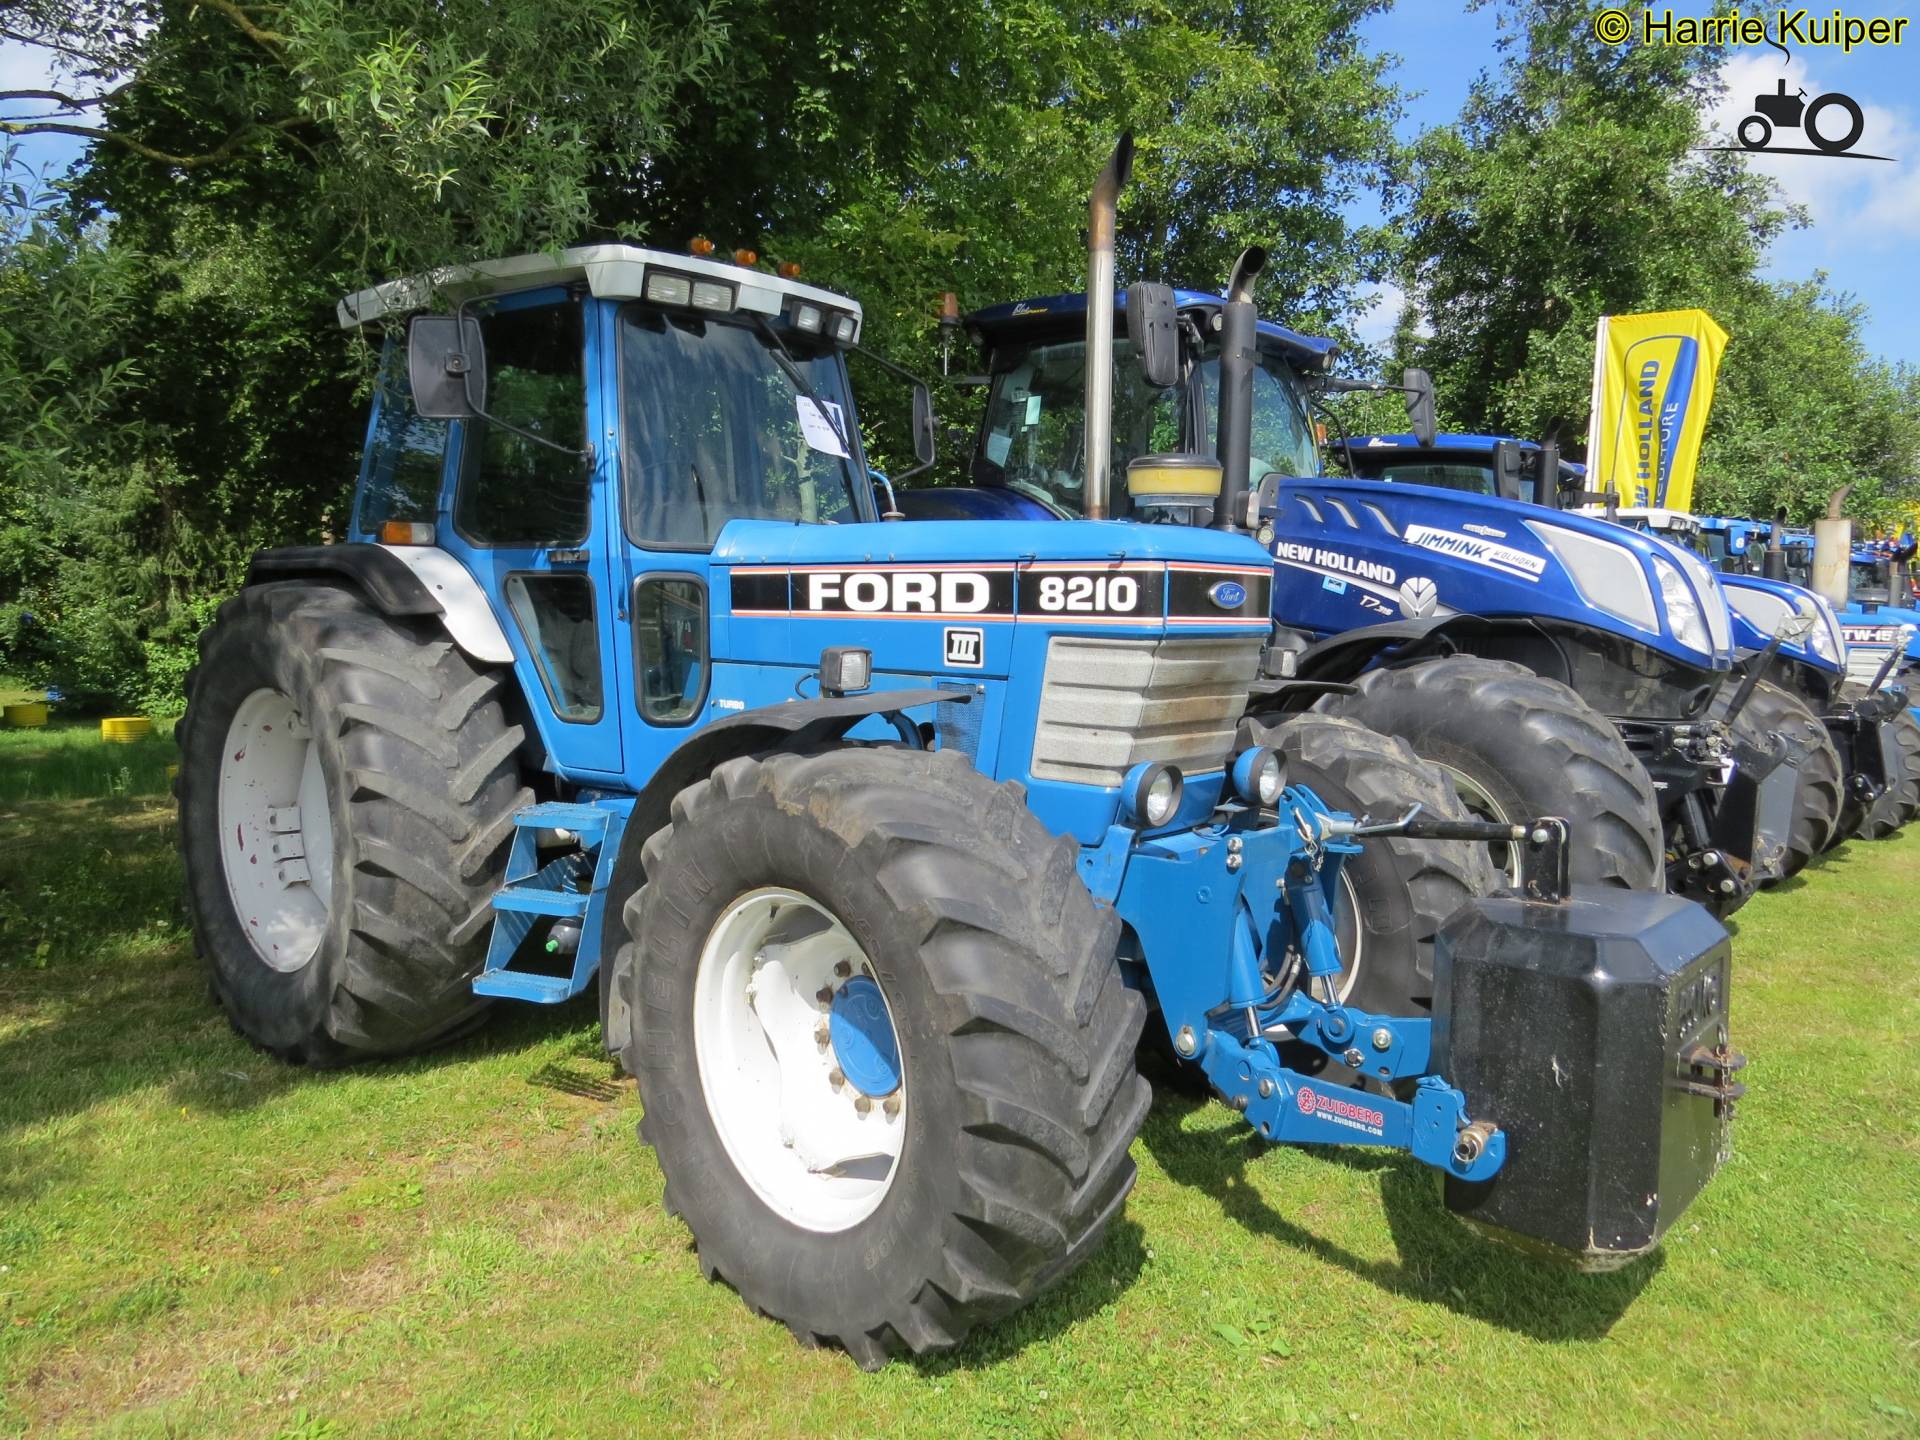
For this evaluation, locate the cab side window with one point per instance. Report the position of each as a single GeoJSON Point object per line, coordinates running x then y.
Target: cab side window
{"type": "Point", "coordinates": [400, 478]}
{"type": "Point", "coordinates": [514, 490]}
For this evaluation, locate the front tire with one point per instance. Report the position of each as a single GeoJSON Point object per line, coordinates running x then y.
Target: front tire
{"type": "Point", "coordinates": [1818, 793]}
{"type": "Point", "coordinates": [1013, 1044]}
{"type": "Point", "coordinates": [346, 795]}
{"type": "Point", "coordinates": [1900, 801]}
{"type": "Point", "coordinates": [1519, 746]}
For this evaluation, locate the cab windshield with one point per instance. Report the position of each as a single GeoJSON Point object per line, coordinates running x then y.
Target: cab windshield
{"type": "Point", "coordinates": [715, 430]}
{"type": "Point", "coordinates": [1032, 440]}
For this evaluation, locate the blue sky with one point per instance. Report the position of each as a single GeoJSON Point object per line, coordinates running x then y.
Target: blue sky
{"type": "Point", "coordinates": [1866, 215]}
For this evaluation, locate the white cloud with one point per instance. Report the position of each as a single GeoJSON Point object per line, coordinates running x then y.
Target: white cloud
{"type": "Point", "coordinates": [1380, 307]}
{"type": "Point", "coordinates": [1855, 204]}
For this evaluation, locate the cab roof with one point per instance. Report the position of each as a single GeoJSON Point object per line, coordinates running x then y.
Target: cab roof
{"type": "Point", "coordinates": [995, 322]}
{"type": "Point", "coordinates": [612, 272]}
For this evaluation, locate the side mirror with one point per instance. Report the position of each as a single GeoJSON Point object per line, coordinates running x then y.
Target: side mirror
{"type": "Point", "coordinates": [1419, 385]}
{"type": "Point", "coordinates": [925, 427]}
{"type": "Point", "coordinates": [447, 367]}
{"type": "Point", "coordinates": [1509, 462]}
{"type": "Point", "coordinates": [1154, 329]}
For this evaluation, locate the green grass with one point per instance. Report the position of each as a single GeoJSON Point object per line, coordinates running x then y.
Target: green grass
{"type": "Point", "coordinates": [67, 760]}
{"type": "Point", "coordinates": [198, 1241]}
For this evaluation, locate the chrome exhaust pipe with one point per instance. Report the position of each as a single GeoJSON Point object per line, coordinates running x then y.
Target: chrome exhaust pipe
{"type": "Point", "coordinates": [1102, 206]}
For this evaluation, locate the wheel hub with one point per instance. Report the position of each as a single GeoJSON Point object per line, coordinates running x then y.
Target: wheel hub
{"type": "Point", "coordinates": [799, 1060]}
{"type": "Point", "coordinates": [863, 1039]}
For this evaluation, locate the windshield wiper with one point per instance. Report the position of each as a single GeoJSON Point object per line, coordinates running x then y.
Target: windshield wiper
{"type": "Point", "coordinates": [784, 359]}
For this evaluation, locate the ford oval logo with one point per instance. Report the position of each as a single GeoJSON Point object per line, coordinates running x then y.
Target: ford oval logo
{"type": "Point", "coordinates": [1228, 594]}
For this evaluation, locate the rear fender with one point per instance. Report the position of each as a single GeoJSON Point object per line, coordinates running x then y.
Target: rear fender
{"type": "Point", "coordinates": [402, 580]}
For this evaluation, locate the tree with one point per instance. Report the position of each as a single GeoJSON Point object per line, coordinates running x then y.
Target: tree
{"type": "Point", "coordinates": [252, 161]}
{"type": "Point", "coordinates": [1570, 188]}
{"type": "Point", "coordinates": [1802, 409]}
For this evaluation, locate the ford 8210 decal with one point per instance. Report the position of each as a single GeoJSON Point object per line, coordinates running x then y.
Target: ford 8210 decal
{"type": "Point", "coordinates": [1123, 593]}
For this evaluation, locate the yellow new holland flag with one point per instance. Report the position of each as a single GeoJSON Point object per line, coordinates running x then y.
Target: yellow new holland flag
{"type": "Point", "coordinates": [1652, 387]}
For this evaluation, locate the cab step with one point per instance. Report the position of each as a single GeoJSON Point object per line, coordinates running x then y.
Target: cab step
{"type": "Point", "coordinates": [570, 887]}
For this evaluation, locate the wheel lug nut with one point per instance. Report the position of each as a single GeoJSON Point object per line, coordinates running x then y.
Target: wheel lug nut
{"type": "Point", "coordinates": [842, 968]}
{"type": "Point", "coordinates": [824, 994]}
{"type": "Point", "coordinates": [862, 1104]}
{"type": "Point", "coordinates": [835, 1078]}
{"type": "Point", "coordinates": [891, 1105]}
{"type": "Point", "coordinates": [823, 1034]}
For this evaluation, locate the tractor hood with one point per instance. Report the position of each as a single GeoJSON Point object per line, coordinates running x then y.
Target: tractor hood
{"type": "Point", "coordinates": [1349, 553]}
{"type": "Point", "coordinates": [1759, 606]}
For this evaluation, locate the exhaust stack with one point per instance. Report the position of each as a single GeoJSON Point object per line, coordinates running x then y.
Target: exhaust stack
{"type": "Point", "coordinates": [1102, 206]}
{"type": "Point", "coordinates": [1237, 358]}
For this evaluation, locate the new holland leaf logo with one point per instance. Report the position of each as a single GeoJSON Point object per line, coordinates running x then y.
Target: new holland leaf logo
{"type": "Point", "coordinates": [1419, 597]}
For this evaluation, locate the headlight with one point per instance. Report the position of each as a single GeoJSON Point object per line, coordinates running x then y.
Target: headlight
{"type": "Point", "coordinates": [1259, 775]}
{"type": "Point", "coordinates": [1827, 643]}
{"type": "Point", "coordinates": [1713, 598]}
{"type": "Point", "coordinates": [1607, 575]}
{"type": "Point", "coordinates": [1689, 626]}
{"type": "Point", "coordinates": [1151, 793]}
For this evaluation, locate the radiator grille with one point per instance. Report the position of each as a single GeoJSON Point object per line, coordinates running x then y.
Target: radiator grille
{"type": "Point", "coordinates": [1109, 704]}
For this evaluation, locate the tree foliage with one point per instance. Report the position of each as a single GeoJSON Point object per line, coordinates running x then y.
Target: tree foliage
{"type": "Point", "coordinates": [1574, 186]}
{"type": "Point", "coordinates": [252, 161]}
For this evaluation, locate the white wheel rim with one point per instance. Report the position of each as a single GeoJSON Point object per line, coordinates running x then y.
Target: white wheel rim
{"type": "Point", "coordinates": [792, 1123]}
{"type": "Point", "coordinates": [1481, 805]}
{"type": "Point", "coordinates": [276, 830]}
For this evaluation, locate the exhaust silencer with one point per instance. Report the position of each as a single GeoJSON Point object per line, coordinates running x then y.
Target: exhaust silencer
{"type": "Point", "coordinates": [1593, 1032]}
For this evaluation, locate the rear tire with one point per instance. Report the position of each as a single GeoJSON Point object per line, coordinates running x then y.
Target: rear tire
{"type": "Point", "coordinates": [1014, 1034]}
{"type": "Point", "coordinates": [1520, 747]}
{"type": "Point", "coordinates": [412, 759]}
{"type": "Point", "coordinates": [1402, 890]}
{"type": "Point", "coordinates": [1818, 794]}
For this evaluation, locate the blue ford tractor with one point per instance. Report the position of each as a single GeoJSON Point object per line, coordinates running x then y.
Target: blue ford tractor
{"type": "Point", "coordinates": [1870, 755]}
{"type": "Point", "coordinates": [876, 839]}
{"type": "Point", "coordinates": [1550, 663]}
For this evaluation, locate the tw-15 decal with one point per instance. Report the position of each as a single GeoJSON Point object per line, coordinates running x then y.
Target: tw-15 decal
{"type": "Point", "coordinates": [1124, 593]}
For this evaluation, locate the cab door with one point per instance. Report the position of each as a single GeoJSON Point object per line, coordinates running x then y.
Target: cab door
{"type": "Point", "coordinates": [529, 517]}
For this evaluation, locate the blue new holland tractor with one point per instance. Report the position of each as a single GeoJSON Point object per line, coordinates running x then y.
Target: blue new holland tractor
{"type": "Point", "coordinates": [1856, 694]}
{"type": "Point", "coordinates": [1549, 663]}
{"type": "Point", "coordinates": [876, 839]}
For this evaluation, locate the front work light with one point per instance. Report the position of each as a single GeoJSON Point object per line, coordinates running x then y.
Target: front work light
{"type": "Point", "coordinates": [845, 669]}
{"type": "Point", "coordinates": [667, 289]}
{"type": "Point", "coordinates": [712, 295]}
{"type": "Point", "coordinates": [1259, 775]}
{"type": "Point", "coordinates": [807, 318]}
{"type": "Point", "coordinates": [1150, 794]}
{"type": "Point", "coordinates": [843, 328]}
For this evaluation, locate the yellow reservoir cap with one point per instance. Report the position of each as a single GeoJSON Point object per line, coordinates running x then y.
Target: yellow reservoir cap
{"type": "Point", "coordinates": [28, 714]}
{"type": "Point", "coordinates": [1197, 476]}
